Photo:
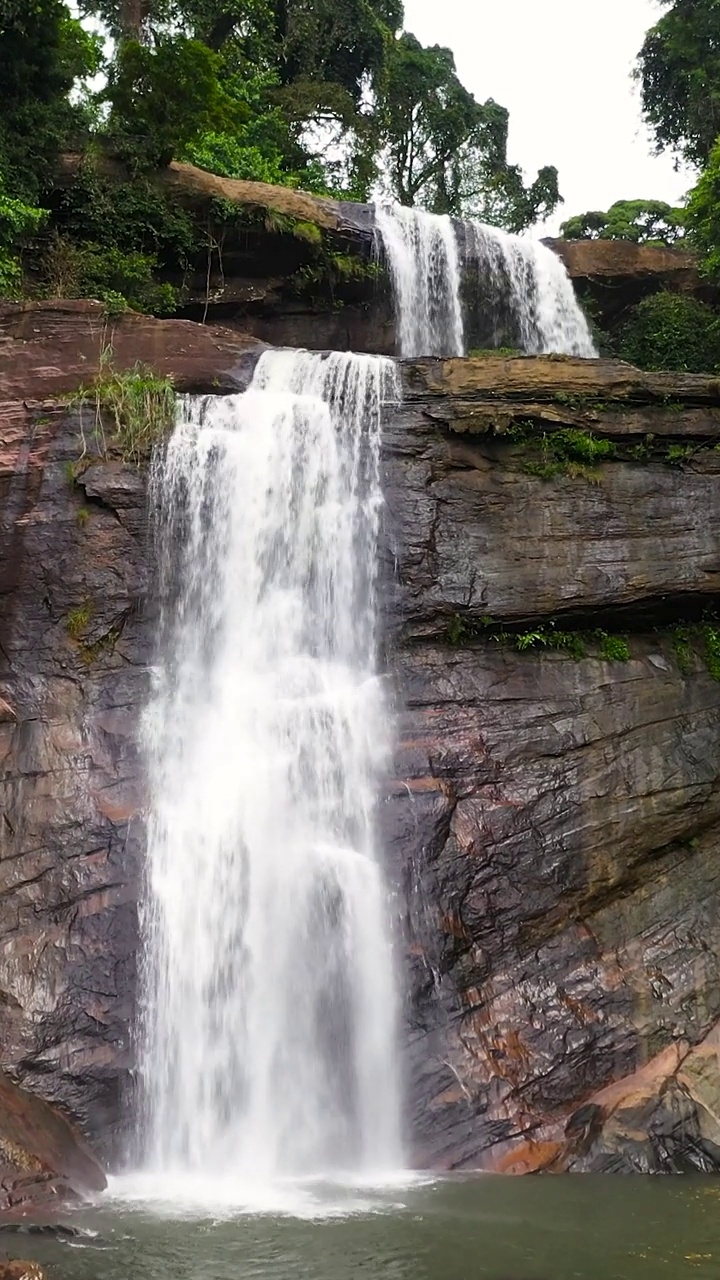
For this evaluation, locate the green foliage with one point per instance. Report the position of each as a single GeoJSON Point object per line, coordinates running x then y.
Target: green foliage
{"type": "Point", "coordinates": [263, 146]}
{"type": "Point", "coordinates": [111, 241]}
{"type": "Point", "coordinates": [642, 221]}
{"type": "Point", "coordinates": [679, 453]}
{"type": "Point", "coordinates": [672, 331]}
{"type": "Point", "coordinates": [43, 53]}
{"type": "Point", "coordinates": [227, 155]}
{"type": "Point", "coordinates": [704, 638]}
{"type": "Point", "coordinates": [613, 648]}
{"type": "Point", "coordinates": [331, 270]}
{"type": "Point", "coordinates": [447, 151]}
{"type": "Point", "coordinates": [711, 642]}
{"type": "Point", "coordinates": [82, 517]}
{"type": "Point", "coordinates": [572, 444]}
{"type": "Point", "coordinates": [212, 21]}
{"type": "Point", "coordinates": [681, 637]}
{"type": "Point", "coordinates": [18, 220]}
{"type": "Point", "coordinates": [548, 637]}
{"type": "Point", "coordinates": [679, 73]}
{"type": "Point", "coordinates": [122, 280]}
{"type": "Point", "coordinates": [78, 620]}
{"type": "Point", "coordinates": [569, 451]}
{"type": "Point", "coordinates": [163, 99]}
{"type": "Point", "coordinates": [136, 406]}
{"type": "Point", "coordinates": [702, 215]}
{"type": "Point", "coordinates": [303, 93]}
{"type": "Point", "coordinates": [458, 631]}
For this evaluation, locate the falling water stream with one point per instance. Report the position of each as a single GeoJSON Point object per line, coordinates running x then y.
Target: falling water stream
{"type": "Point", "coordinates": [268, 1033]}
{"type": "Point", "coordinates": [528, 292]}
{"type": "Point", "coordinates": [519, 286]}
{"type": "Point", "coordinates": [268, 1046]}
{"type": "Point", "coordinates": [422, 254]}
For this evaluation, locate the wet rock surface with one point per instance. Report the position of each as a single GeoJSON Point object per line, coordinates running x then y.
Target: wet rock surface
{"type": "Point", "coordinates": [44, 1162]}
{"type": "Point", "coordinates": [477, 534]}
{"type": "Point", "coordinates": [554, 823]}
{"type": "Point", "coordinates": [21, 1269]}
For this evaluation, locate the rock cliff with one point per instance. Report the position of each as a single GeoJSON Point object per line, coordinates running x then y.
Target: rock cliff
{"type": "Point", "coordinates": [552, 556]}
{"type": "Point", "coordinates": [555, 818]}
{"type": "Point", "coordinates": [300, 270]}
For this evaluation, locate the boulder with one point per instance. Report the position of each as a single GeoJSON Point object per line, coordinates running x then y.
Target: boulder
{"type": "Point", "coordinates": [44, 1161]}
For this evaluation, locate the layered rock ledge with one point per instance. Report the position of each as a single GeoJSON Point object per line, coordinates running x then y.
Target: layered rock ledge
{"type": "Point", "coordinates": [554, 819]}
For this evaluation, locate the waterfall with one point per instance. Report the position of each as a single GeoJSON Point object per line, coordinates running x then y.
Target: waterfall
{"type": "Point", "coordinates": [516, 291]}
{"type": "Point", "coordinates": [269, 1003]}
{"type": "Point", "coordinates": [525, 290]}
{"type": "Point", "coordinates": [422, 254]}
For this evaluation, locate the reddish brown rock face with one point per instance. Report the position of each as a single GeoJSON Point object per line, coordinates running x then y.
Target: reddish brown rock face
{"type": "Point", "coordinates": [44, 1161]}
{"type": "Point", "coordinates": [73, 650]}
{"type": "Point", "coordinates": [554, 823]}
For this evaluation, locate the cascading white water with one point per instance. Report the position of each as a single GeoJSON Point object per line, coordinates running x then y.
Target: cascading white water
{"type": "Point", "coordinates": [520, 286]}
{"type": "Point", "coordinates": [269, 1001]}
{"type": "Point", "coordinates": [422, 253]}
{"type": "Point", "coordinates": [531, 289]}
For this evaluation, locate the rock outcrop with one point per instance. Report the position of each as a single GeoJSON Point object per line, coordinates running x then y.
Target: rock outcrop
{"type": "Point", "coordinates": [300, 270]}
{"type": "Point", "coordinates": [614, 275]}
{"type": "Point", "coordinates": [553, 823]}
{"type": "Point", "coordinates": [44, 1162]}
{"type": "Point", "coordinates": [555, 818]}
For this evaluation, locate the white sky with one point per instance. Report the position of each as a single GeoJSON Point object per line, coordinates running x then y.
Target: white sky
{"type": "Point", "coordinates": [563, 70]}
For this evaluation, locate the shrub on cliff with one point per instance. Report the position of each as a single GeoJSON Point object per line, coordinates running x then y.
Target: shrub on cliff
{"type": "Point", "coordinates": [17, 221]}
{"type": "Point", "coordinates": [672, 331]}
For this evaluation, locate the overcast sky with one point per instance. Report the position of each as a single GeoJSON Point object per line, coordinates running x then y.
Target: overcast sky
{"type": "Point", "coordinates": [563, 70]}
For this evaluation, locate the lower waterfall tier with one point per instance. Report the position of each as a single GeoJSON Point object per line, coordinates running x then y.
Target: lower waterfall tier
{"type": "Point", "coordinates": [552, 823]}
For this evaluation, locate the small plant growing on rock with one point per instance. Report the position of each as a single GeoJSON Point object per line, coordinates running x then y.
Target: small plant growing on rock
{"type": "Point", "coordinates": [711, 638]}
{"type": "Point", "coordinates": [568, 451]}
{"type": "Point", "coordinates": [137, 405]}
{"type": "Point", "coordinates": [679, 453]}
{"type": "Point", "coordinates": [78, 620]}
{"type": "Point", "coordinates": [613, 648]}
{"type": "Point", "coordinates": [682, 649]}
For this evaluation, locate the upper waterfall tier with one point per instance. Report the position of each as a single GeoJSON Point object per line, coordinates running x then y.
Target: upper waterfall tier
{"type": "Point", "coordinates": [422, 254]}
{"type": "Point", "coordinates": [446, 273]}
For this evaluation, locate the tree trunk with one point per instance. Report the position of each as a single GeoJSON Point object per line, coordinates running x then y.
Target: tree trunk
{"type": "Point", "coordinates": [133, 16]}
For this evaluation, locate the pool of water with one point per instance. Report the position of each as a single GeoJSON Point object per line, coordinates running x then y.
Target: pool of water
{"type": "Point", "coordinates": [484, 1228]}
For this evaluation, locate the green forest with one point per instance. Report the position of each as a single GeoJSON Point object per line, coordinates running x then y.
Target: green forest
{"type": "Point", "coordinates": [332, 99]}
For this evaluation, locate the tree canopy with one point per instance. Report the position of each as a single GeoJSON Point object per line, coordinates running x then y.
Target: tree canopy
{"type": "Point", "coordinates": [330, 97]}
{"type": "Point", "coordinates": [447, 151]}
{"type": "Point", "coordinates": [679, 74]}
{"type": "Point", "coordinates": [642, 221]}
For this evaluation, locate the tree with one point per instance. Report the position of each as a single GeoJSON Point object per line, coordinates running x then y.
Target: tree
{"type": "Point", "coordinates": [163, 98]}
{"type": "Point", "coordinates": [211, 21]}
{"type": "Point", "coordinates": [679, 73]}
{"type": "Point", "coordinates": [702, 215]}
{"type": "Point", "coordinates": [43, 52]}
{"type": "Point", "coordinates": [322, 65]}
{"type": "Point", "coordinates": [447, 151]}
{"type": "Point", "coordinates": [642, 221]}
